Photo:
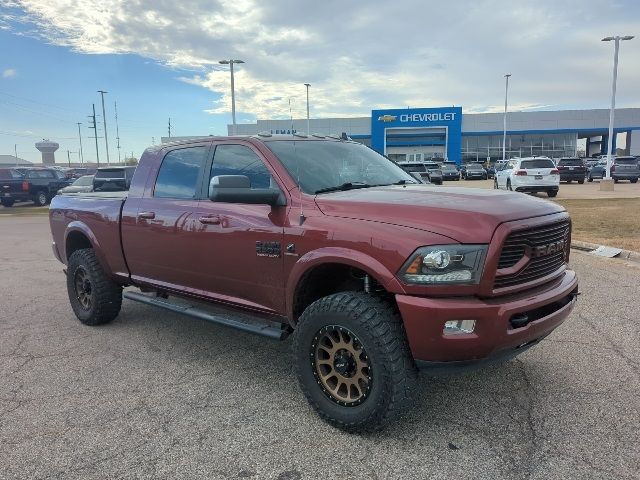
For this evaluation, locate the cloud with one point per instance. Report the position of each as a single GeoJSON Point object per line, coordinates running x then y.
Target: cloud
{"type": "Point", "coordinates": [9, 73]}
{"type": "Point", "coordinates": [358, 55]}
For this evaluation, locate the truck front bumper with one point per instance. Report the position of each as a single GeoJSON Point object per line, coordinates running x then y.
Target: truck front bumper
{"type": "Point", "coordinates": [494, 335]}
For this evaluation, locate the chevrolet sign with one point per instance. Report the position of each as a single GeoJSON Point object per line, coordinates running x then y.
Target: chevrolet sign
{"type": "Point", "coordinates": [427, 117]}
{"type": "Point", "coordinates": [387, 118]}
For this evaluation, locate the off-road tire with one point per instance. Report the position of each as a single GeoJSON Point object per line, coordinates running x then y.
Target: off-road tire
{"type": "Point", "coordinates": [379, 330]}
{"type": "Point", "coordinates": [551, 193]}
{"type": "Point", "coordinates": [41, 198]}
{"type": "Point", "coordinates": [7, 202]}
{"type": "Point", "coordinates": [106, 295]}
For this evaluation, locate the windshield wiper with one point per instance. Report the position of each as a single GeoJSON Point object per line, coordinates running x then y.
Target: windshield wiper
{"type": "Point", "coordinates": [343, 187]}
{"type": "Point", "coordinates": [399, 182]}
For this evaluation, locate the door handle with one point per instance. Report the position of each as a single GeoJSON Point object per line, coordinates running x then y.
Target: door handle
{"type": "Point", "coordinates": [147, 215]}
{"type": "Point", "coordinates": [212, 220]}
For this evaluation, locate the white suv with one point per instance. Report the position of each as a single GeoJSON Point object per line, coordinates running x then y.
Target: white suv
{"type": "Point", "coordinates": [531, 174]}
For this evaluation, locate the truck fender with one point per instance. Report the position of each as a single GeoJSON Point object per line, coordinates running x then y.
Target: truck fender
{"type": "Point", "coordinates": [78, 226]}
{"type": "Point", "coordinates": [344, 256]}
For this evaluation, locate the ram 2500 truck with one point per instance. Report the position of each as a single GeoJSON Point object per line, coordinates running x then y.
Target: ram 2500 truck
{"type": "Point", "coordinates": [373, 274]}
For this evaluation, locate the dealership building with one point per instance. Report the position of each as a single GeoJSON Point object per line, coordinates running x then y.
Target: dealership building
{"type": "Point", "coordinates": [416, 134]}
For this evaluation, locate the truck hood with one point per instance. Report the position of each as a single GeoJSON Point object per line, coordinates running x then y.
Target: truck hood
{"type": "Point", "coordinates": [466, 215]}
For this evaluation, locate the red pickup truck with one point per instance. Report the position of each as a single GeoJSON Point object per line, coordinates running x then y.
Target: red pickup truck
{"type": "Point", "coordinates": [373, 274]}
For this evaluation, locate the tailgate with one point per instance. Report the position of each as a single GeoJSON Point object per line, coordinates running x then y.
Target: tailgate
{"type": "Point", "coordinates": [9, 187]}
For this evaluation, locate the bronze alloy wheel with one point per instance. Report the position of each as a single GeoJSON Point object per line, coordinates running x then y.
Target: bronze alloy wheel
{"type": "Point", "coordinates": [84, 291]}
{"type": "Point", "coordinates": [341, 366]}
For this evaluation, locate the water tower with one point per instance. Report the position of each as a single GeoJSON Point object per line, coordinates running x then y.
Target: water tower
{"type": "Point", "coordinates": [48, 148]}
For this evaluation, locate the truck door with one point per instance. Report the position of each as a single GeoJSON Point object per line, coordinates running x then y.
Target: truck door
{"type": "Point", "coordinates": [241, 255]}
{"type": "Point", "coordinates": [160, 228]}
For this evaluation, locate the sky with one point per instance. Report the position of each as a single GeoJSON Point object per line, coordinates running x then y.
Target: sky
{"type": "Point", "coordinates": [158, 59]}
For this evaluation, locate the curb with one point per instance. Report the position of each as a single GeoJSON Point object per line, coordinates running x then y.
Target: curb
{"type": "Point", "coordinates": [588, 247]}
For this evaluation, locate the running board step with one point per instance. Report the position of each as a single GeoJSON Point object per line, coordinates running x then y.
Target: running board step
{"type": "Point", "coordinates": [256, 326]}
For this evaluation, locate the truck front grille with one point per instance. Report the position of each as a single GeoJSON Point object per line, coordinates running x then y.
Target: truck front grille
{"type": "Point", "coordinates": [532, 243]}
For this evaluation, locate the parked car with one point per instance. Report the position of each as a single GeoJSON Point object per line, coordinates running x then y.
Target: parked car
{"type": "Point", "coordinates": [449, 172]}
{"type": "Point", "coordinates": [35, 184]}
{"type": "Point", "coordinates": [83, 184]}
{"type": "Point", "coordinates": [372, 274]}
{"type": "Point", "coordinates": [597, 171]}
{"type": "Point", "coordinates": [472, 171]}
{"type": "Point", "coordinates": [530, 174]}
{"type": "Point", "coordinates": [435, 173]}
{"type": "Point", "coordinates": [625, 168]}
{"type": "Point", "coordinates": [571, 169]}
{"type": "Point", "coordinates": [451, 163]}
{"type": "Point", "coordinates": [415, 169]}
{"type": "Point", "coordinates": [113, 179]}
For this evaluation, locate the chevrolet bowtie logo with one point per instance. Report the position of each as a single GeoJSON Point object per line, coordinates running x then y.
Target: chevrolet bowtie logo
{"type": "Point", "coordinates": [387, 118]}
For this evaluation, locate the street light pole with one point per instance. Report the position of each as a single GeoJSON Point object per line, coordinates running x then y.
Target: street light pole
{"type": "Point", "coordinates": [308, 125]}
{"type": "Point", "coordinates": [233, 93]}
{"type": "Point", "coordinates": [504, 130]}
{"type": "Point", "coordinates": [104, 122]}
{"type": "Point", "coordinates": [616, 39]}
{"type": "Point", "coordinates": [15, 150]}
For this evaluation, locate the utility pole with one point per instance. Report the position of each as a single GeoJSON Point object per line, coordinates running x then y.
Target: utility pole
{"type": "Point", "coordinates": [69, 158]}
{"type": "Point", "coordinates": [95, 131]}
{"type": "Point", "coordinates": [115, 105]}
{"type": "Point", "coordinates": [169, 127]}
{"type": "Point", "coordinates": [81, 155]}
{"type": "Point", "coordinates": [153, 140]}
{"type": "Point", "coordinates": [15, 150]}
{"type": "Point", "coordinates": [104, 122]}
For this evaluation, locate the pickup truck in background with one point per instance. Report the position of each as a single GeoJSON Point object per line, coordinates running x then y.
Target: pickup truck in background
{"type": "Point", "coordinates": [38, 185]}
{"type": "Point", "coordinates": [372, 274]}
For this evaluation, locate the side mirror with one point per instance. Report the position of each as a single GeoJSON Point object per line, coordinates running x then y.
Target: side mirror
{"type": "Point", "coordinates": [237, 189]}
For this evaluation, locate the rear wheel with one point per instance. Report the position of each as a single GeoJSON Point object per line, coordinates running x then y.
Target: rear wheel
{"type": "Point", "coordinates": [7, 202]}
{"type": "Point", "coordinates": [95, 298]}
{"type": "Point", "coordinates": [552, 193]}
{"type": "Point", "coordinates": [581, 181]}
{"type": "Point", "coordinates": [615, 180]}
{"type": "Point", "coordinates": [41, 198]}
{"type": "Point", "coordinates": [353, 360]}
{"type": "Point", "coordinates": [634, 180]}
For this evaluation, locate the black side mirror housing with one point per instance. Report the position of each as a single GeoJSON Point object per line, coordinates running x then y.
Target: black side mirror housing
{"type": "Point", "coordinates": [237, 189]}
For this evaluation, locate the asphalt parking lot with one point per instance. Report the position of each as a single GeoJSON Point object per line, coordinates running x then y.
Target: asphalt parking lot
{"type": "Point", "coordinates": [154, 395]}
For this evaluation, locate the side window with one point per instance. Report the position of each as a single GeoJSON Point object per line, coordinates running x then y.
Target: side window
{"type": "Point", "coordinates": [179, 173]}
{"type": "Point", "coordinates": [240, 160]}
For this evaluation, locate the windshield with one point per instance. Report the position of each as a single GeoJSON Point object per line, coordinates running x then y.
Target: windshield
{"type": "Point", "coordinates": [84, 181]}
{"type": "Point", "coordinates": [474, 166]}
{"type": "Point", "coordinates": [433, 166]}
{"type": "Point", "coordinates": [319, 165]}
{"type": "Point", "coordinates": [626, 161]}
{"type": "Point", "coordinates": [110, 173]}
{"type": "Point", "coordinates": [574, 162]}
{"type": "Point", "coordinates": [537, 163]}
{"type": "Point", "coordinates": [416, 167]}
{"type": "Point", "coordinates": [446, 166]}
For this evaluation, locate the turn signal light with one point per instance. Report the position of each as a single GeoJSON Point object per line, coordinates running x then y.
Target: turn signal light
{"type": "Point", "coordinates": [554, 172]}
{"type": "Point", "coordinates": [521, 173]}
{"type": "Point", "coordinates": [25, 186]}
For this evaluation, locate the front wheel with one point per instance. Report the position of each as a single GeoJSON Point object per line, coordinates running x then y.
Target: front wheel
{"type": "Point", "coordinates": [353, 361]}
{"type": "Point", "coordinates": [581, 182]}
{"type": "Point", "coordinates": [95, 298]}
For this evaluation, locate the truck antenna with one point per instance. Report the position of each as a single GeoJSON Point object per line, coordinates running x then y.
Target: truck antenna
{"type": "Point", "coordinates": [295, 153]}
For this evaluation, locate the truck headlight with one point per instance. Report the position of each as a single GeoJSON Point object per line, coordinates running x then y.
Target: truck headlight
{"type": "Point", "coordinates": [445, 264]}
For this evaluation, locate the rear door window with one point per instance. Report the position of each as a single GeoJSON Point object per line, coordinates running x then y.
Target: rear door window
{"type": "Point", "coordinates": [181, 173]}
{"type": "Point", "coordinates": [537, 163]}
